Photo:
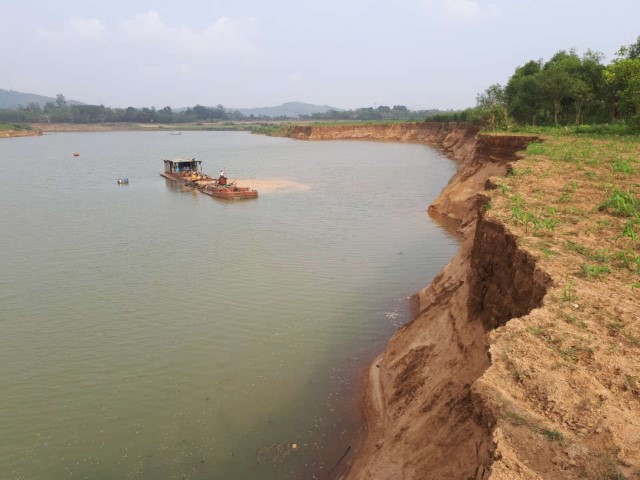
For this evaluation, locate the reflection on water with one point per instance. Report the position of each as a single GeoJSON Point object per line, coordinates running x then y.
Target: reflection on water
{"type": "Point", "coordinates": [154, 332]}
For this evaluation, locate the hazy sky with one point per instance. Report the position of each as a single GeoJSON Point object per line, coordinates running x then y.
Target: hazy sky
{"type": "Point", "coordinates": [250, 53]}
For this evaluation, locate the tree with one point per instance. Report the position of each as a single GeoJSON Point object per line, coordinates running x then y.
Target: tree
{"type": "Point", "coordinates": [560, 81]}
{"type": "Point", "coordinates": [61, 101]}
{"type": "Point", "coordinates": [165, 115]}
{"type": "Point", "coordinates": [623, 75]}
{"type": "Point", "coordinates": [632, 52]}
{"type": "Point", "coordinates": [34, 107]}
{"type": "Point", "coordinates": [591, 91]}
{"type": "Point", "coordinates": [492, 105]}
{"type": "Point", "coordinates": [522, 93]}
{"type": "Point", "coordinates": [556, 85]}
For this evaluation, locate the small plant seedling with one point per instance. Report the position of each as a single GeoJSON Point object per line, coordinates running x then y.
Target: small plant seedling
{"type": "Point", "coordinates": [516, 172]}
{"type": "Point", "coordinates": [568, 292]}
{"type": "Point", "coordinates": [621, 165]}
{"type": "Point", "coordinates": [595, 271]}
{"type": "Point", "coordinates": [621, 203]}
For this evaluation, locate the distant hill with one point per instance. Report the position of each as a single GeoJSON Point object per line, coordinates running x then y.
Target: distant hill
{"type": "Point", "coordinates": [289, 109]}
{"type": "Point", "coordinates": [13, 99]}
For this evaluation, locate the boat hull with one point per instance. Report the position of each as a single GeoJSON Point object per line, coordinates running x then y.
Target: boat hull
{"type": "Point", "coordinates": [231, 194]}
{"type": "Point", "coordinates": [227, 192]}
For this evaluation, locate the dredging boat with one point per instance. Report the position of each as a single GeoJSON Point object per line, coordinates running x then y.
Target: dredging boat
{"type": "Point", "coordinates": [189, 172]}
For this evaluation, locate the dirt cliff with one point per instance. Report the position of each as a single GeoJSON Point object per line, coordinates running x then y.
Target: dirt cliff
{"type": "Point", "coordinates": [503, 374]}
{"type": "Point", "coordinates": [451, 136]}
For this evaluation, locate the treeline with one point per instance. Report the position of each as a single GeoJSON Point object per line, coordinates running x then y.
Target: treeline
{"type": "Point", "coordinates": [568, 89]}
{"type": "Point", "coordinates": [61, 112]}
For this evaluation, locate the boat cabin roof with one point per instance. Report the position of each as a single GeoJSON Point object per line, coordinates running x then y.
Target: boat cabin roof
{"type": "Point", "coordinates": [183, 161]}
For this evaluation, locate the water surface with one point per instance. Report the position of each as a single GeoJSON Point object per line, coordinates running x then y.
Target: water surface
{"type": "Point", "coordinates": [149, 331]}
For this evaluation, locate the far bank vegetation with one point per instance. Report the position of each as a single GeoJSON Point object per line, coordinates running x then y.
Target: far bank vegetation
{"type": "Point", "coordinates": [568, 90]}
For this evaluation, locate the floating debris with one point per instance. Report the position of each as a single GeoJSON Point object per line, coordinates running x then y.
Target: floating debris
{"type": "Point", "coordinates": [277, 452]}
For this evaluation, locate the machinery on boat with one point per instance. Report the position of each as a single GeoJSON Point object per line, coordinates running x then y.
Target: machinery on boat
{"type": "Point", "coordinates": [189, 172]}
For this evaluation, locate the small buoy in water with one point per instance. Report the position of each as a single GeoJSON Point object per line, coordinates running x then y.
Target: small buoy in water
{"type": "Point", "coordinates": [76, 154]}
{"type": "Point", "coordinates": [123, 181]}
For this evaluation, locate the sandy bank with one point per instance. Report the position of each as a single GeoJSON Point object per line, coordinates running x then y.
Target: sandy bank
{"type": "Point", "coordinates": [503, 374]}
{"type": "Point", "coordinates": [273, 185]}
{"type": "Point", "coordinates": [19, 133]}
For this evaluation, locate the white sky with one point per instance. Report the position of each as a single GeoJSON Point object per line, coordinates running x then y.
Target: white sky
{"type": "Point", "coordinates": [251, 53]}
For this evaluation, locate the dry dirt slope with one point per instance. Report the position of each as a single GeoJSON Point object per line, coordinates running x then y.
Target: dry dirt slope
{"type": "Point", "coordinates": [565, 380]}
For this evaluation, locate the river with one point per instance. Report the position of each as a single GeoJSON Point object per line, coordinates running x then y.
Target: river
{"type": "Point", "coordinates": [149, 331]}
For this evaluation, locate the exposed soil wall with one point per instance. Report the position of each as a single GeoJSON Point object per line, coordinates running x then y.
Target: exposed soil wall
{"type": "Point", "coordinates": [457, 140]}
{"type": "Point", "coordinates": [483, 157]}
{"type": "Point", "coordinates": [425, 417]}
{"type": "Point", "coordinates": [505, 281]}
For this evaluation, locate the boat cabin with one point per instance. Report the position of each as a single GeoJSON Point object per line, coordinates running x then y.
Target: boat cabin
{"type": "Point", "coordinates": [183, 165]}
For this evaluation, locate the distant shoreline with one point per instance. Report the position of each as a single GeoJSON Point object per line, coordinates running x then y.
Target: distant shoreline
{"type": "Point", "coordinates": [268, 127]}
{"type": "Point", "coordinates": [79, 127]}
{"type": "Point", "coordinates": [140, 127]}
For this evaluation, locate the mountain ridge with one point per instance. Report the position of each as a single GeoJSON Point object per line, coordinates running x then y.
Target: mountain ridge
{"type": "Point", "coordinates": [289, 109]}
{"type": "Point", "coordinates": [15, 99]}
{"type": "Point", "coordinates": [12, 99]}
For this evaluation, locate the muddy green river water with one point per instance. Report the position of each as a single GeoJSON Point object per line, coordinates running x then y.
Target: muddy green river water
{"type": "Point", "coordinates": [149, 331]}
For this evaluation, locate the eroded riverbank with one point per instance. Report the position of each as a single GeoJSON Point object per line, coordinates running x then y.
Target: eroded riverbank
{"type": "Point", "coordinates": [459, 392]}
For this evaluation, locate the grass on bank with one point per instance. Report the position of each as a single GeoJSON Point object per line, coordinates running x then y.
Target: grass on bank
{"type": "Point", "coordinates": [605, 129]}
{"type": "Point", "coordinates": [573, 202]}
{"type": "Point", "coordinates": [589, 186]}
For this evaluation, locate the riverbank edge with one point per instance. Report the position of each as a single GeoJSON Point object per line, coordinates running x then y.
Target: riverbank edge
{"type": "Point", "coordinates": [426, 415]}
{"type": "Point", "coordinates": [20, 133]}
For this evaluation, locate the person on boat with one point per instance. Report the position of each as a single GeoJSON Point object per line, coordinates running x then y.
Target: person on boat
{"type": "Point", "coordinates": [222, 179]}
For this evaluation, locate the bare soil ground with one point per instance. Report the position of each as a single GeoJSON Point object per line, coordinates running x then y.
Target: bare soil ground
{"type": "Point", "coordinates": [565, 379]}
